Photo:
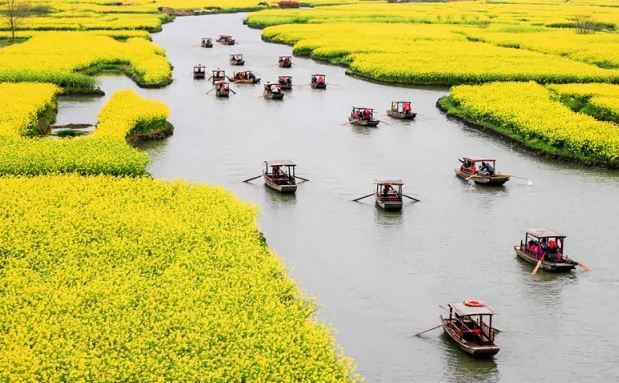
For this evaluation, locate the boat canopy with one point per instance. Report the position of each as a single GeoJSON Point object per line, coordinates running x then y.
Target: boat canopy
{"type": "Point", "coordinates": [390, 182]}
{"type": "Point", "coordinates": [280, 163]}
{"type": "Point", "coordinates": [284, 77]}
{"type": "Point", "coordinates": [284, 57]}
{"type": "Point", "coordinates": [479, 159]}
{"type": "Point", "coordinates": [544, 233]}
{"type": "Point", "coordinates": [462, 309]}
{"type": "Point", "coordinates": [236, 56]}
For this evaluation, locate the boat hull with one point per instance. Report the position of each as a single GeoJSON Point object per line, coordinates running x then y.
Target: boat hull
{"type": "Point", "coordinates": [496, 180]}
{"type": "Point", "coordinates": [401, 116]}
{"type": "Point", "coordinates": [207, 46]}
{"type": "Point", "coordinates": [475, 350]}
{"type": "Point", "coordinates": [226, 42]}
{"type": "Point", "coordinates": [239, 62]}
{"type": "Point", "coordinates": [370, 123]}
{"type": "Point", "coordinates": [218, 79]}
{"type": "Point", "coordinates": [319, 86]}
{"type": "Point", "coordinates": [222, 94]}
{"type": "Point", "coordinates": [391, 204]}
{"type": "Point", "coordinates": [199, 76]}
{"type": "Point", "coordinates": [274, 96]}
{"type": "Point", "coordinates": [557, 267]}
{"type": "Point", "coordinates": [285, 87]}
{"type": "Point", "coordinates": [284, 65]}
{"type": "Point", "coordinates": [285, 186]}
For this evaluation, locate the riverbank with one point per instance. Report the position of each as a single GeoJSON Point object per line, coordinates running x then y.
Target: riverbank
{"type": "Point", "coordinates": [453, 110]}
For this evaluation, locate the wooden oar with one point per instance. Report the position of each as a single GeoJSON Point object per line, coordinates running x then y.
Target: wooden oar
{"type": "Point", "coordinates": [365, 196]}
{"type": "Point", "coordinates": [303, 85]}
{"type": "Point", "coordinates": [538, 265]}
{"type": "Point", "coordinates": [210, 91]}
{"type": "Point", "coordinates": [253, 178]}
{"type": "Point", "coordinates": [384, 122]}
{"type": "Point", "coordinates": [231, 91]}
{"type": "Point", "coordinates": [301, 178]}
{"type": "Point", "coordinates": [584, 267]}
{"type": "Point", "coordinates": [346, 123]}
{"type": "Point", "coordinates": [414, 199]}
{"type": "Point", "coordinates": [209, 78]}
{"type": "Point", "coordinates": [430, 329]}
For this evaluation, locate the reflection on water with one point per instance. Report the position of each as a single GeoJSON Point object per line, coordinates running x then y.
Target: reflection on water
{"type": "Point", "coordinates": [388, 218]}
{"type": "Point", "coordinates": [275, 200]}
{"type": "Point", "coordinates": [461, 367]}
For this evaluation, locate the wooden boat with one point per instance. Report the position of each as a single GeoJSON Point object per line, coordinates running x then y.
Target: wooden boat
{"type": "Point", "coordinates": [225, 40]}
{"type": "Point", "coordinates": [285, 82]}
{"type": "Point", "coordinates": [285, 62]}
{"type": "Point", "coordinates": [272, 92]}
{"type": "Point", "coordinates": [218, 75]}
{"type": "Point", "coordinates": [279, 175]}
{"type": "Point", "coordinates": [206, 42]}
{"type": "Point", "coordinates": [246, 77]}
{"type": "Point", "coordinates": [402, 110]}
{"type": "Point", "coordinates": [236, 59]}
{"type": "Point", "coordinates": [387, 197]}
{"type": "Point", "coordinates": [554, 258]}
{"type": "Point", "coordinates": [362, 117]}
{"type": "Point", "coordinates": [222, 89]}
{"type": "Point", "coordinates": [319, 81]}
{"type": "Point", "coordinates": [481, 176]}
{"type": "Point", "coordinates": [466, 327]}
{"type": "Point", "coordinates": [199, 72]}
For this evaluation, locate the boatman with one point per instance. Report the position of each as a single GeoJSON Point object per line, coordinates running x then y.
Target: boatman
{"type": "Point", "coordinates": [321, 80]}
{"type": "Point", "coordinates": [367, 114]}
{"type": "Point", "coordinates": [407, 108]}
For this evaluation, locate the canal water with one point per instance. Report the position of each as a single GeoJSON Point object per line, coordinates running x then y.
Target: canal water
{"type": "Point", "coordinates": [382, 276]}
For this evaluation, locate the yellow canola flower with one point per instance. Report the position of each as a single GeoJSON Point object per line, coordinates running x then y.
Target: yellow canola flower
{"type": "Point", "coordinates": [126, 113]}
{"type": "Point", "coordinates": [21, 106]}
{"type": "Point", "coordinates": [133, 279]}
{"type": "Point", "coordinates": [65, 53]}
{"type": "Point", "coordinates": [530, 111]}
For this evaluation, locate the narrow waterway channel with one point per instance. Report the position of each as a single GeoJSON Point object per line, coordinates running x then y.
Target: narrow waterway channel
{"type": "Point", "coordinates": [382, 276]}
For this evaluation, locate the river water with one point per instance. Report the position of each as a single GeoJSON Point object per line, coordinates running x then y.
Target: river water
{"type": "Point", "coordinates": [381, 276]}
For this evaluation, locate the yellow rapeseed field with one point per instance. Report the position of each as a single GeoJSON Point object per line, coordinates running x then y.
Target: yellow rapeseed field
{"type": "Point", "coordinates": [126, 113]}
{"type": "Point", "coordinates": [133, 279]}
{"type": "Point", "coordinates": [65, 53]}
{"type": "Point", "coordinates": [528, 110]}
{"type": "Point", "coordinates": [21, 106]}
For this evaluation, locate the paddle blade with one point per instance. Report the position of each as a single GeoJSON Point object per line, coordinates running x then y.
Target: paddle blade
{"type": "Point", "coordinates": [537, 267]}
{"type": "Point", "coordinates": [584, 267]}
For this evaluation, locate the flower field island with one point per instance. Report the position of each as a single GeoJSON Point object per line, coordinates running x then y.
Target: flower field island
{"type": "Point", "coordinates": [67, 54]}
{"type": "Point", "coordinates": [454, 43]}
{"type": "Point", "coordinates": [533, 115]}
{"type": "Point", "coordinates": [126, 117]}
{"type": "Point", "coordinates": [135, 279]}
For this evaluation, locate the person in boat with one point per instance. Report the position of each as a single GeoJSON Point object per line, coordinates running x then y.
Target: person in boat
{"type": "Point", "coordinates": [386, 190]}
{"type": "Point", "coordinates": [321, 80]}
{"type": "Point", "coordinates": [313, 79]}
{"type": "Point", "coordinates": [275, 172]}
{"type": "Point", "coordinates": [406, 108]}
{"type": "Point", "coordinates": [355, 114]}
{"type": "Point", "coordinates": [288, 81]}
{"type": "Point", "coordinates": [287, 60]}
{"type": "Point", "coordinates": [237, 76]}
{"type": "Point", "coordinates": [367, 115]}
{"type": "Point", "coordinates": [251, 76]}
{"type": "Point", "coordinates": [276, 89]}
{"type": "Point", "coordinates": [282, 81]}
{"type": "Point", "coordinates": [486, 169]}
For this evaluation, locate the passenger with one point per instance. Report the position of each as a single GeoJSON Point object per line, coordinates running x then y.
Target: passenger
{"type": "Point", "coordinates": [282, 81]}
{"type": "Point", "coordinates": [486, 168]}
{"type": "Point", "coordinates": [251, 76]}
{"type": "Point", "coordinates": [355, 115]}
{"type": "Point", "coordinates": [313, 79]}
{"type": "Point", "coordinates": [552, 251]}
{"type": "Point", "coordinates": [276, 172]}
{"type": "Point", "coordinates": [407, 108]}
{"type": "Point", "coordinates": [386, 190]}
{"type": "Point", "coordinates": [321, 80]}
{"type": "Point", "coordinates": [288, 81]}
{"type": "Point", "coordinates": [367, 115]}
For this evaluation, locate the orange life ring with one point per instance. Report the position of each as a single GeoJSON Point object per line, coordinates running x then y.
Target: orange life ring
{"type": "Point", "coordinates": [473, 303]}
